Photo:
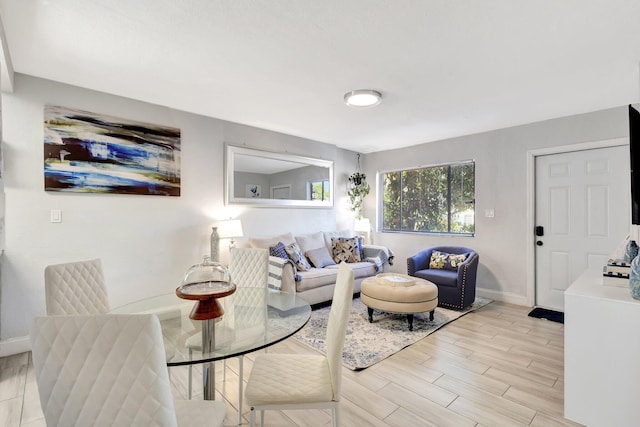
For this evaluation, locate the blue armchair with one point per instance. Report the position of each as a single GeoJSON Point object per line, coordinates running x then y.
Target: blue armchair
{"type": "Point", "coordinates": [456, 288]}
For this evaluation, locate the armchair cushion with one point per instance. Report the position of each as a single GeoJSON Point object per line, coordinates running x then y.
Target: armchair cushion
{"type": "Point", "coordinates": [443, 260]}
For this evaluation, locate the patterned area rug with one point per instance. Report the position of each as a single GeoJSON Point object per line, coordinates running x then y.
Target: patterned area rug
{"type": "Point", "coordinates": [368, 343]}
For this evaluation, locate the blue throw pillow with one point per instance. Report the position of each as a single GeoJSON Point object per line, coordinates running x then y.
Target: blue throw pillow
{"type": "Point", "coordinates": [278, 251]}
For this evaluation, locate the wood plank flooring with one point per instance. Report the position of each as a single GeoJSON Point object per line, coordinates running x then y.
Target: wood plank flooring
{"type": "Point", "coordinates": [492, 367]}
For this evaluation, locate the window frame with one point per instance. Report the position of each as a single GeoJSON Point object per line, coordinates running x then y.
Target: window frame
{"type": "Point", "coordinates": [380, 199]}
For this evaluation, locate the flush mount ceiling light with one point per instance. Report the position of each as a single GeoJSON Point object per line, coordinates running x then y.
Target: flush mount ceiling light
{"type": "Point", "coordinates": [362, 98]}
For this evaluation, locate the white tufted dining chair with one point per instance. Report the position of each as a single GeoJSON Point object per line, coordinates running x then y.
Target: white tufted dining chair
{"type": "Point", "coordinates": [295, 381]}
{"type": "Point", "coordinates": [76, 288]}
{"type": "Point", "coordinates": [249, 268]}
{"type": "Point", "coordinates": [109, 370]}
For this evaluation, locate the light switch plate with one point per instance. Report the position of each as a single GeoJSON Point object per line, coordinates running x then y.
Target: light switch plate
{"type": "Point", "coordinates": [56, 215]}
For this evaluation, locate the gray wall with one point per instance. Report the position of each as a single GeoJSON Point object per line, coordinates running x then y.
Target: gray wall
{"type": "Point", "coordinates": [501, 184]}
{"type": "Point", "coordinates": [146, 243]}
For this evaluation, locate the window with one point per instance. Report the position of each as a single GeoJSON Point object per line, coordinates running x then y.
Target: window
{"type": "Point", "coordinates": [319, 190]}
{"type": "Point", "coordinates": [436, 199]}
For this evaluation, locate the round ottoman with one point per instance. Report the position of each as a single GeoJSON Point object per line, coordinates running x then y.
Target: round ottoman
{"type": "Point", "coordinates": [398, 293]}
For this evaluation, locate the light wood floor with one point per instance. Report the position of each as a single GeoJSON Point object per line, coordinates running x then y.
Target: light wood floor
{"type": "Point", "coordinates": [492, 367]}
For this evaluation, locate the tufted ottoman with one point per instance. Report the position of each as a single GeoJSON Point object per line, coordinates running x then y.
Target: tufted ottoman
{"type": "Point", "coordinates": [399, 293]}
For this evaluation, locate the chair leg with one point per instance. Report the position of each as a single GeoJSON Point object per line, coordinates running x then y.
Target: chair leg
{"type": "Point", "coordinates": [190, 371]}
{"type": "Point", "coordinates": [240, 365]}
{"type": "Point", "coordinates": [335, 418]}
{"type": "Point", "coordinates": [252, 417]}
{"type": "Point", "coordinates": [262, 418]}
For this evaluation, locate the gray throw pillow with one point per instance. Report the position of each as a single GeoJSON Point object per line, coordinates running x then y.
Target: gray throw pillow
{"type": "Point", "coordinates": [320, 257]}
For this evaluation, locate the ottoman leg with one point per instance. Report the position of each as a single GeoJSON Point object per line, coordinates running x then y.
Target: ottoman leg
{"type": "Point", "coordinates": [370, 311]}
{"type": "Point", "coordinates": [431, 314]}
{"type": "Point", "coordinates": [410, 320]}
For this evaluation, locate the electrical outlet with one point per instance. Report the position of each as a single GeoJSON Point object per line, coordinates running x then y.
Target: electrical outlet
{"type": "Point", "coordinates": [489, 213]}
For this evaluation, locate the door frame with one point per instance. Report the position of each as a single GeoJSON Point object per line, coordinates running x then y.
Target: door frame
{"type": "Point", "coordinates": [531, 200]}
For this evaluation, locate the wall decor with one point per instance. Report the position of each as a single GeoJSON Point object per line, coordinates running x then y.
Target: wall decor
{"type": "Point", "coordinates": [93, 153]}
{"type": "Point", "coordinates": [252, 191]}
{"type": "Point", "coordinates": [265, 178]}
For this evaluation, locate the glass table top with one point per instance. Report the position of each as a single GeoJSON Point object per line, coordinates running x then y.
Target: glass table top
{"type": "Point", "coordinates": [241, 329]}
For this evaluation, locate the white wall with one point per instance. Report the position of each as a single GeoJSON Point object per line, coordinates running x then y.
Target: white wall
{"type": "Point", "coordinates": [501, 184]}
{"type": "Point", "coordinates": [146, 243]}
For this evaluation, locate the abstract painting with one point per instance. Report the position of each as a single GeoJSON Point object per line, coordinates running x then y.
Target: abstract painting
{"type": "Point", "coordinates": [92, 153]}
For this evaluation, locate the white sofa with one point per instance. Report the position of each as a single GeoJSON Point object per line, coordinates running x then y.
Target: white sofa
{"type": "Point", "coordinates": [317, 284]}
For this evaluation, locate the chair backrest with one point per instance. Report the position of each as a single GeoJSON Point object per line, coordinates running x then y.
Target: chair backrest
{"type": "Point", "coordinates": [76, 288]}
{"type": "Point", "coordinates": [337, 325]}
{"type": "Point", "coordinates": [249, 268]}
{"type": "Point", "coordinates": [102, 370]}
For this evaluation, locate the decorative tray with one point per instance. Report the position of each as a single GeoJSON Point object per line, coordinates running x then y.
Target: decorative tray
{"type": "Point", "coordinates": [395, 279]}
{"type": "Point", "coordinates": [205, 290]}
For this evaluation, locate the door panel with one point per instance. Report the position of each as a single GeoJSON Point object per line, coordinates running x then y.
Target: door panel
{"type": "Point", "coordinates": [582, 201]}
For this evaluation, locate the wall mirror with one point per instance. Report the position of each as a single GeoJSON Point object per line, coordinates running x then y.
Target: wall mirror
{"type": "Point", "coordinates": [265, 178]}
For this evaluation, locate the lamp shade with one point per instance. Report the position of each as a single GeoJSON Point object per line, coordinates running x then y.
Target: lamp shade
{"type": "Point", "coordinates": [230, 228]}
{"type": "Point", "coordinates": [362, 225]}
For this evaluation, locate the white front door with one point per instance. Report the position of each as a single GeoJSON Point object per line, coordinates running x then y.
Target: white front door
{"type": "Point", "coordinates": [582, 205]}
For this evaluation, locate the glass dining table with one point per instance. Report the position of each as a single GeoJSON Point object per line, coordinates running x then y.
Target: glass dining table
{"type": "Point", "coordinates": [240, 330]}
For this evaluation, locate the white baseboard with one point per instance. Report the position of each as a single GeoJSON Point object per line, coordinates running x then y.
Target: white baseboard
{"type": "Point", "coordinates": [503, 296]}
{"type": "Point", "coordinates": [14, 346]}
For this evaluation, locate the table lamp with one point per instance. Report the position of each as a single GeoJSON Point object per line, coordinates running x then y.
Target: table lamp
{"type": "Point", "coordinates": [363, 225]}
{"type": "Point", "coordinates": [226, 229]}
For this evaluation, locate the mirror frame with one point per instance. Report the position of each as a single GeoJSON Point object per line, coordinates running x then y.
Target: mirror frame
{"type": "Point", "coordinates": [230, 199]}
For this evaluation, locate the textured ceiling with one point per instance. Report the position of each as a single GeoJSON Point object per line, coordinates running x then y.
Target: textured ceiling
{"type": "Point", "coordinates": [445, 68]}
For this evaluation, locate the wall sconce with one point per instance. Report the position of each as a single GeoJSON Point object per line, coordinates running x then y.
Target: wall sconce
{"type": "Point", "coordinates": [226, 229]}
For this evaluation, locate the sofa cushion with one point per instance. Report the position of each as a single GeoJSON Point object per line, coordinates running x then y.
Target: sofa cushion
{"type": "Point", "coordinates": [295, 255]}
{"type": "Point", "coordinates": [360, 269]}
{"type": "Point", "coordinates": [442, 277]}
{"type": "Point", "coordinates": [316, 277]}
{"type": "Point", "coordinates": [345, 249]}
{"type": "Point", "coordinates": [308, 242]}
{"type": "Point", "coordinates": [266, 242]}
{"type": "Point", "coordinates": [320, 257]}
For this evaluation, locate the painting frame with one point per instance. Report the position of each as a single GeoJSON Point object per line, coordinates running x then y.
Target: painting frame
{"type": "Point", "coordinates": [87, 152]}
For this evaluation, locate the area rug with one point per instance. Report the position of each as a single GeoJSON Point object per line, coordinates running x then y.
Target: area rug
{"type": "Point", "coordinates": [368, 343]}
{"type": "Point", "coordinates": [543, 313]}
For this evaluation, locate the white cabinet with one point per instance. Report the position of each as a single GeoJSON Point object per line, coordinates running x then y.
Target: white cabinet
{"type": "Point", "coordinates": [601, 354]}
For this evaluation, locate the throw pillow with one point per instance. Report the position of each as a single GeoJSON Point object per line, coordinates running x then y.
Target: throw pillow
{"type": "Point", "coordinates": [308, 242]}
{"type": "Point", "coordinates": [320, 257]}
{"type": "Point", "coordinates": [293, 250]}
{"type": "Point", "coordinates": [438, 260]}
{"type": "Point", "coordinates": [454, 261]}
{"type": "Point", "coordinates": [278, 250]}
{"type": "Point", "coordinates": [345, 249]}
{"type": "Point", "coordinates": [444, 261]}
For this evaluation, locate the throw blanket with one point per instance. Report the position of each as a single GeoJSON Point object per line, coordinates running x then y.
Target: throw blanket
{"type": "Point", "coordinates": [378, 255]}
{"type": "Point", "coordinates": [276, 265]}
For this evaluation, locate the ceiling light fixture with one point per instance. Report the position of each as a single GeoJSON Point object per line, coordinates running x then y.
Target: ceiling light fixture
{"type": "Point", "coordinates": [362, 98]}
